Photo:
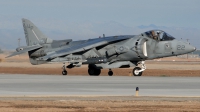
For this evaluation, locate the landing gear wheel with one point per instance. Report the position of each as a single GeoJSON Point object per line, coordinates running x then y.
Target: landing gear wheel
{"type": "Point", "coordinates": [64, 72]}
{"type": "Point", "coordinates": [91, 72]}
{"type": "Point", "coordinates": [110, 73]}
{"type": "Point", "coordinates": [94, 72]}
{"type": "Point", "coordinates": [97, 72]}
{"type": "Point", "coordinates": [135, 71]}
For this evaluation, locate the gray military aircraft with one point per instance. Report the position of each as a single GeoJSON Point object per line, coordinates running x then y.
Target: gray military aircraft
{"type": "Point", "coordinates": [107, 52]}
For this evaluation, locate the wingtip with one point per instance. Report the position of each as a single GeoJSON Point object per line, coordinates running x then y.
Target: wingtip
{"type": "Point", "coordinates": [11, 55]}
{"type": "Point", "coordinates": [8, 56]}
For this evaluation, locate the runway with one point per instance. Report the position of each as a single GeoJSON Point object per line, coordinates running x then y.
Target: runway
{"type": "Point", "coordinates": [55, 85]}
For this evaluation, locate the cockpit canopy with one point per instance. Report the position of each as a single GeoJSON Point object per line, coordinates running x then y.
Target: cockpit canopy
{"type": "Point", "coordinates": [158, 35]}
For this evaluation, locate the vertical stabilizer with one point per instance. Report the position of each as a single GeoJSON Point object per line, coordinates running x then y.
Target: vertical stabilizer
{"type": "Point", "coordinates": [32, 34]}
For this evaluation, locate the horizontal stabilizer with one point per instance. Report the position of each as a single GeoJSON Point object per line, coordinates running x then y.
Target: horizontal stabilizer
{"type": "Point", "coordinates": [24, 49]}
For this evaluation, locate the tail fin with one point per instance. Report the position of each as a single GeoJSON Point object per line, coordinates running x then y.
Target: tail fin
{"type": "Point", "coordinates": [33, 35]}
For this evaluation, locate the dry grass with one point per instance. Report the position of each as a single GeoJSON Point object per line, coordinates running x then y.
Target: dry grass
{"type": "Point", "coordinates": [99, 106]}
{"type": "Point", "coordinates": [83, 72]}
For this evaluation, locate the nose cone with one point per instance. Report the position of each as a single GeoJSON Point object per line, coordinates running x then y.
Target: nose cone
{"type": "Point", "coordinates": [184, 48]}
{"type": "Point", "coordinates": [190, 48]}
{"type": "Point", "coordinates": [195, 48]}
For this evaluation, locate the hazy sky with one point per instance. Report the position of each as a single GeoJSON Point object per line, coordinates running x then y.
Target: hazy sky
{"type": "Point", "coordinates": [180, 13]}
{"type": "Point", "coordinates": [68, 15]}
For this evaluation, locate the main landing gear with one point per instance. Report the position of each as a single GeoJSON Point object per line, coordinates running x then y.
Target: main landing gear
{"type": "Point", "coordinates": [137, 71]}
{"type": "Point", "coordinates": [64, 72]}
{"type": "Point", "coordinates": [93, 71]}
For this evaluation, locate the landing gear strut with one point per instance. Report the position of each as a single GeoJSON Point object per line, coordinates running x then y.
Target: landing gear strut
{"type": "Point", "coordinates": [110, 72]}
{"type": "Point", "coordinates": [64, 72]}
{"type": "Point", "coordinates": [137, 71]}
{"type": "Point", "coordinates": [92, 71]}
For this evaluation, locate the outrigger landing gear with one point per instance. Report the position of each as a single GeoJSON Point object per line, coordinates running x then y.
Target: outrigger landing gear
{"type": "Point", "coordinates": [137, 71]}
{"type": "Point", "coordinates": [110, 72]}
{"type": "Point", "coordinates": [64, 72]}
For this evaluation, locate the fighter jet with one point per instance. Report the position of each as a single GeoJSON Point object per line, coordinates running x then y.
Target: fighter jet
{"type": "Point", "coordinates": [122, 51]}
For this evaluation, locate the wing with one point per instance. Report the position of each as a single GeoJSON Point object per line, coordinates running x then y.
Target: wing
{"type": "Point", "coordinates": [91, 43]}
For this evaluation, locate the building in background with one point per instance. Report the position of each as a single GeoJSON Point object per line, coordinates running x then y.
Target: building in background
{"type": "Point", "coordinates": [195, 54]}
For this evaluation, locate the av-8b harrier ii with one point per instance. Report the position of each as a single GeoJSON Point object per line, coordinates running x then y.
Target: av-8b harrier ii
{"type": "Point", "coordinates": [122, 51]}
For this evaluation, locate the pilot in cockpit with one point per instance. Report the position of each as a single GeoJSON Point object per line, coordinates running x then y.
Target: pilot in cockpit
{"type": "Point", "coordinates": [159, 35]}
{"type": "Point", "coordinates": [155, 35]}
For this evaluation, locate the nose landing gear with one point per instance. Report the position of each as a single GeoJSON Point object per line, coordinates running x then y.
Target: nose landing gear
{"type": "Point", "coordinates": [137, 71]}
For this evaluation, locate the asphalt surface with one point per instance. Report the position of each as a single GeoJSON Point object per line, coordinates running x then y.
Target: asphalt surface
{"type": "Point", "coordinates": [55, 85]}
